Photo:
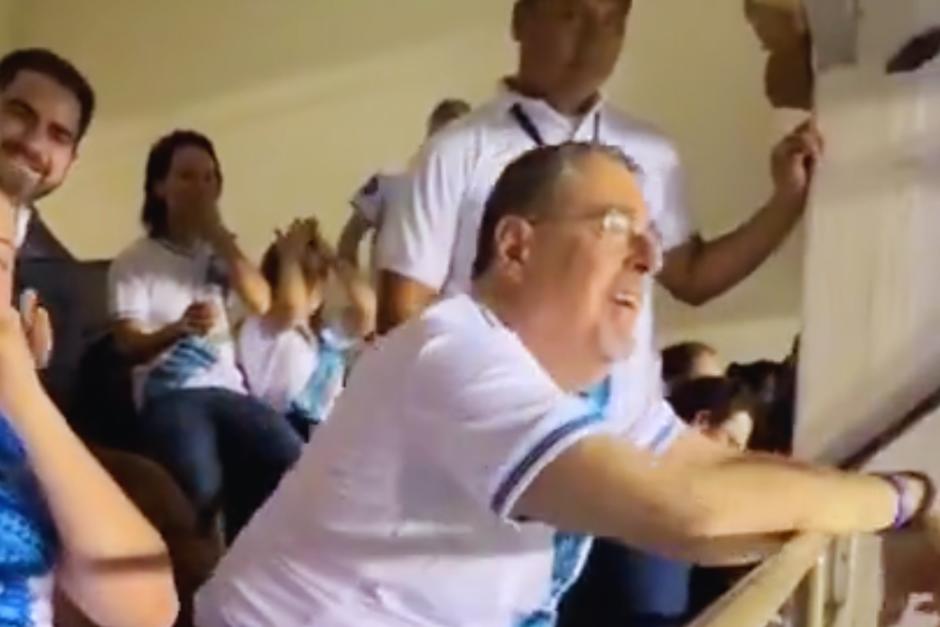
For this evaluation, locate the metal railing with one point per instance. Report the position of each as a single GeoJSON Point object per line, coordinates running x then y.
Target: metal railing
{"type": "Point", "coordinates": [818, 572]}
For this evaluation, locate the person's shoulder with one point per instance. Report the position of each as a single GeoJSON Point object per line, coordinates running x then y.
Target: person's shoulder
{"type": "Point", "coordinates": [639, 138]}
{"type": "Point", "coordinates": [140, 251]}
{"type": "Point", "coordinates": [461, 338]}
{"type": "Point", "coordinates": [469, 136]}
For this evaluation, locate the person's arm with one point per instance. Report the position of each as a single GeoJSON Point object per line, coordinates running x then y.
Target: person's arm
{"type": "Point", "coordinates": [351, 237]}
{"type": "Point", "coordinates": [114, 565]}
{"type": "Point", "coordinates": [359, 317]}
{"type": "Point", "coordinates": [247, 280]}
{"type": "Point", "coordinates": [400, 299]}
{"type": "Point", "coordinates": [419, 230]}
{"type": "Point", "coordinates": [140, 346]}
{"type": "Point", "coordinates": [291, 298]}
{"type": "Point", "coordinates": [700, 270]}
{"type": "Point", "coordinates": [696, 493]}
{"type": "Point", "coordinates": [38, 328]}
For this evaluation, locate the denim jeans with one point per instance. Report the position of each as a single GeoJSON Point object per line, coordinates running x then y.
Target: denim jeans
{"type": "Point", "coordinates": [227, 451]}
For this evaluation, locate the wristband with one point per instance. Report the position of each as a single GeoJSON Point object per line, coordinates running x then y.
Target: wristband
{"type": "Point", "coordinates": [903, 514]}
{"type": "Point", "coordinates": [906, 512]}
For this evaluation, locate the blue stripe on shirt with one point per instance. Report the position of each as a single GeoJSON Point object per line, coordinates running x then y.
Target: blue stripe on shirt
{"type": "Point", "coordinates": [597, 399]}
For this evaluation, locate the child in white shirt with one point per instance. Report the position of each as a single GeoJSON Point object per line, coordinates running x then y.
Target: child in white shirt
{"type": "Point", "coordinates": [295, 356]}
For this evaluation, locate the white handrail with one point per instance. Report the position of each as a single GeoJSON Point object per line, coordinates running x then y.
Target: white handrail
{"type": "Point", "coordinates": [757, 599]}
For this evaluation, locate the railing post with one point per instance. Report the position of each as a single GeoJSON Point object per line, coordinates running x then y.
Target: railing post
{"type": "Point", "coordinates": [813, 594]}
{"type": "Point", "coordinates": [845, 581]}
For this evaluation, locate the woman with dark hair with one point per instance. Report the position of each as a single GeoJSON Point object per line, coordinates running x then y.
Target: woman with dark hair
{"type": "Point", "coordinates": [295, 356]}
{"type": "Point", "coordinates": [169, 293]}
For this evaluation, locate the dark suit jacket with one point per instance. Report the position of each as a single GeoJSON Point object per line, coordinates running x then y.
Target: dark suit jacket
{"type": "Point", "coordinates": [75, 294]}
{"type": "Point", "coordinates": [41, 243]}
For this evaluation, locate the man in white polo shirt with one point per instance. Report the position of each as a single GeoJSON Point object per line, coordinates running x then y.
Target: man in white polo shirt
{"type": "Point", "coordinates": [461, 469]}
{"type": "Point", "coordinates": [567, 50]}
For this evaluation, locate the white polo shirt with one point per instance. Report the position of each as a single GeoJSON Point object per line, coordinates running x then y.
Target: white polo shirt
{"type": "Point", "coordinates": [153, 283]}
{"type": "Point", "coordinates": [398, 512]}
{"type": "Point", "coordinates": [371, 201]}
{"type": "Point", "coordinates": [431, 234]}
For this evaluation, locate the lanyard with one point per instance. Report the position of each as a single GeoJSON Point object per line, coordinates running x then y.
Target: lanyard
{"type": "Point", "coordinates": [529, 128]}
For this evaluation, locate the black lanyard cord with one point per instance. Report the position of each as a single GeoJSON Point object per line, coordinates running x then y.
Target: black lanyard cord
{"type": "Point", "coordinates": [529, 128]}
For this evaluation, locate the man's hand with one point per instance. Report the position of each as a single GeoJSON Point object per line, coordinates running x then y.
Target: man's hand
{"type": "Point", "coordinates": [793, 164]}
{"type": "Point", "coordinates": [198, 319]}
{"type": "Point", "coordinates": [18, 379]}
{"type": "Point", "coordinates": [38, 328]}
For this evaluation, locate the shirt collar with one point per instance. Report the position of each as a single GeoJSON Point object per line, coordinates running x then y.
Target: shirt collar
{"type": "Point", "coordinates": [22, 217]}
{"type": "Point", "coordinates": [543, 113]}
{"type": "Point", "coordinates": [193, 252]}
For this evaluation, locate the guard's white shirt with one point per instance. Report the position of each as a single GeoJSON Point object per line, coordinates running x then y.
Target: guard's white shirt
{"type": "Point", "coordinates": [430, 234]}
{"type": "Point", "coordinates": [152, 283]}
{"type": "Point", "coordinates": [398, 512]}
{"type": "Point", "coordinates": [372, 200]}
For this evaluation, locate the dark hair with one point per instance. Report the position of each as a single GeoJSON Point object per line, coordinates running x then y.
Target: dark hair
{"type": "Point", "coordinates": [447, 111]}
{"type": "Point", "coordinates": [154, 212]}
{"type": "Point", "coordinates": [48, 63]}
{"type": "Point", "coordinates": [679, 359]}
{"type": "Point", "coordinates": [759, 377]}
{"type": "Point", "coordinates": [719, 396]}
{"type": "Point", "coordinates": [525, 185]}
{"type": "Point", "coordinates": [772, 386]}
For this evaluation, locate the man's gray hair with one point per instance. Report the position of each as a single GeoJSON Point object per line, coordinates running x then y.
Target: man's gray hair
{"type": "Point", "coordinates": [526, 188]}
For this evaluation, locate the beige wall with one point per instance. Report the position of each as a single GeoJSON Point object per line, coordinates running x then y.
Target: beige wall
{"type": "Point", "coordinates": [305, 99]}
{"type": "Point", "coordinates": [6, 23]}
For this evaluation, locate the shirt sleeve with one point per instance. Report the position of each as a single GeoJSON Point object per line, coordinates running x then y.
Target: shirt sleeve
{"type": "Point", "coordinates": [128, 297]}
{"type": "Point", "coordinates": [368, 200]}
{"type": "Point", "coordinates": [420, 228]}
{"type": "Point", "coordinates": [674, 219]}
{"type": "Point", "coordinates": [636, 407]}
{"type": "Point", "coordinates": [493, 420]}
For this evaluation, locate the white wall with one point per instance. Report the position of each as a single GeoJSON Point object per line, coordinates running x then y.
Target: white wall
{"type": "Point", "coordinates": [304, 99]}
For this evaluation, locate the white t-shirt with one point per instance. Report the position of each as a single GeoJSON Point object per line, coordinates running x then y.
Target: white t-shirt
{"type": "Point", "coordinates": [295, 371]}
{"type": "Point", "coordinates": [375, 196]}
{"type": "Point", "coordinates": [153, 283]}
{"type": "Point", "coordinates": [431, 234]}
{"type": "Point", "coordinates": [372, 201]}
{"type": "Point", "coordinates": [398, 511]}
{"type": "Point", "coordinates": [22, 218]}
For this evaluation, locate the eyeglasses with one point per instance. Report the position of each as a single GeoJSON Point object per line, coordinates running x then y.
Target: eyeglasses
{"type": "Point", "coordinates": [618, 226]}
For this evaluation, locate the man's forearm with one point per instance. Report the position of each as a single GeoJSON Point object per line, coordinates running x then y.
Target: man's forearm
{"type": "Point", "coordinates": [733, 550]}
{"type": "Point", "coordinates": [699, 491]}
{"type": "Point", "coordinates": [699, 271]}
{"type": "Point", "coordinates": [400, 299]}
{"type": "Point", "coordinates": [786, 495]}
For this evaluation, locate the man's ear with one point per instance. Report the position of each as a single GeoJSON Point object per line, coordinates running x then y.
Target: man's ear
{"type": "Point", "coordinates": [513, 243]}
